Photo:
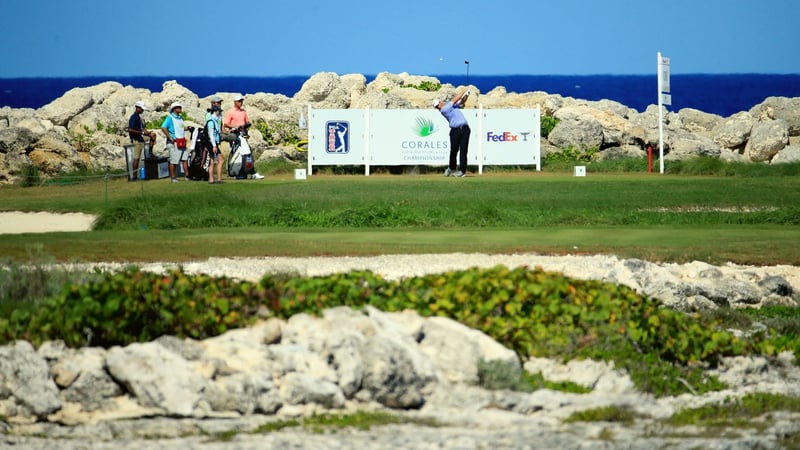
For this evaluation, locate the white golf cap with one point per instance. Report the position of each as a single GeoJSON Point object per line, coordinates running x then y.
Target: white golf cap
{"type": "Point", "coordinates": [238, 98]}
{"type": "Point", "coordinates": [175, 105]}
{"type": "Point", "coordinates": [140, 104]}
{"type": "Point", "coordinates": [216, 99]}
{"type": "Point", "coordinates": [436, 103]}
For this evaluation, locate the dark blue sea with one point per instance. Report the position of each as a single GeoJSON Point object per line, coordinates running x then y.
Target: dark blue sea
{"type": "Point", "coordinates": [722, 94]}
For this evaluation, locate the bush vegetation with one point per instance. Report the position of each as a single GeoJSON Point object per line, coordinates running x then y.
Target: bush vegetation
{"type": "Point", "coordinates": [278, 132]}
{"type": "Point", "coordinates": [25, 285]}
{"type": "Point", "coordinates": [533, 312]}
{"type": "Point", "coordinates": [546, 125]}
{"type": "Point", "coordinates": [427, 86]}
{"type": "Point", "coordinates": [494, 375]}
{"type": "Point", "coordinates": [30, 175]}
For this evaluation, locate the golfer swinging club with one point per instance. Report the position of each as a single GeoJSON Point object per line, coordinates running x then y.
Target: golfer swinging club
{"type": "Point", "coordinates": [459, 133]}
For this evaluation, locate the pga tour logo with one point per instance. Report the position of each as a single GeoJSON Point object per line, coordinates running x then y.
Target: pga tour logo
{"type": "Point", "coordinates": [337, 137]}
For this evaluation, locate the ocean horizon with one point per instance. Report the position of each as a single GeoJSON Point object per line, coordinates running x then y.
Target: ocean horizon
{"type": "Point", "coordinates": [721, 94]}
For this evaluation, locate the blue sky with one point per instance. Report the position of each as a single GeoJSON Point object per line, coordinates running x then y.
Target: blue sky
{"type": "Point", "coordinates": [46, 38]}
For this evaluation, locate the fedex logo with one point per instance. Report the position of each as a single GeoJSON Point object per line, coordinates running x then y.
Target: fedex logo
{"type": "Point", "coordinates": [506, 136]}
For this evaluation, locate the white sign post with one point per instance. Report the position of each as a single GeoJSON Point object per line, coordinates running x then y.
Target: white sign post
{"type": "Point", "coordinates": [664, 98]}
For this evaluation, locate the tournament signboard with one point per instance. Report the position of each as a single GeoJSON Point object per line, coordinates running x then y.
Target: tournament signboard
{"type": "Point", "coordinates": [511, 137]}
{"type": "Point", "coordinates": [336, 137]}
{"type": "Point", "coordinates": [395, 137]}
{"type": "Point", "coordinates": [413, 137]}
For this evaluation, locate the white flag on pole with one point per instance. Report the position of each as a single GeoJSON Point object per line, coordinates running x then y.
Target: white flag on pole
{"type": "Point", "coordinates": [663, 72]}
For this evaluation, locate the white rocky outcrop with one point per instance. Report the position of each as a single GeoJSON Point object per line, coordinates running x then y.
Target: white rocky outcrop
{"type": "Point", "coordinates": [344, 357]}
{"type": "Point", "coordinates": [166, 393]}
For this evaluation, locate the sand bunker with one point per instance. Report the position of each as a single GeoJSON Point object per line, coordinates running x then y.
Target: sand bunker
{"type": "Point", "coordinates": [16, 222]}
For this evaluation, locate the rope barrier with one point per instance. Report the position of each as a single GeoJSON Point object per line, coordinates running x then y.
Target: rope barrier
{"type": "Point", "coordinates": [55, 179]}
{"type": "Point", "coordinates": [31, 180]}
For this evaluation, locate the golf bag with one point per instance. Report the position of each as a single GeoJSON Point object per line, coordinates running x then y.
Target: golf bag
{"type": "Point", "coordinates": [200, 148]}
{"type": "Point", "coordinates": [240, 159]}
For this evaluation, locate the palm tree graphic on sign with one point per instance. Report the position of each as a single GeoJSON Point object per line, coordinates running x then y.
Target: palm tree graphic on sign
{"type": "Point", "coordinates": [424, 126]}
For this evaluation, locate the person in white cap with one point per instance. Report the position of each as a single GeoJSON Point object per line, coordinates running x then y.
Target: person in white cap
{"type": "Point", "coordinates": [137, 131]}
{"type": "Point", "coordinates": [235, 117]}
{"type": "Point", "coordinates": [175, 132]}
{"type": "Point", "coordinates": [216, 100]}
{"type": "Point", "coordinates": [459, 134]}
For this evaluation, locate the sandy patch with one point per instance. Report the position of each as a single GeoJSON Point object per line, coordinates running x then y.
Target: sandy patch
{"type": "Point", "coordinates": [16, 222]}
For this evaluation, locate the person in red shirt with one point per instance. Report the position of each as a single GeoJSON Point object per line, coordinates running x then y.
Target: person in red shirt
{"type": "Point", "coordinates": [235, 117]}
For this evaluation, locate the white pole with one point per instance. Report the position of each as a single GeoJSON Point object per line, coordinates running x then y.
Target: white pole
{"type": "Point", "coordinates": [309, 155]}
{"type": "Point", "coordinates": [538, 142]}
{"type": "Point", "coordinates": [367, 132]}
{"type": "Point", "coordinates": [480, 141]}
{"type": "Point", "coordinates": [660, 117]}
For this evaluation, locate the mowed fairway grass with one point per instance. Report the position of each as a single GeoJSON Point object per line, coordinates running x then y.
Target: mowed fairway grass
{"type": "Point", "coordinates": [677, 218]}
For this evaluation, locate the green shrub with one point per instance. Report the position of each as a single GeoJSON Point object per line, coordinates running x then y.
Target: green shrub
{"type": "Point", "coordinates": [83, 141]}
{"type": "Point", "coordinates": [135, 306]}
{"type": "Point", "coordinates": [427, 86]}
{"type": "Point", "coordinates": [24, 288]}
{"type": "Point", "coordinates": [547, 124]}
{"type": "Point", "coordinates": [571, 155]}
{"type": "Point", "coordinates": [155, 124]}
{"type": "Point", "coordinates": [30, 176]}
{"type": "Point", "coordinates": [533, 312]}
{"type": "Point", "coordinates": [781, 328]}
{"type": "Point", "coordinates": [496, 375]}
{"type": "Point", "coordinates": [278, 132]}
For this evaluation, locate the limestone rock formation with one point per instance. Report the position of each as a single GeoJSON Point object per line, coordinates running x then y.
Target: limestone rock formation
{"type": "Point", "coordinates": [86, 126]}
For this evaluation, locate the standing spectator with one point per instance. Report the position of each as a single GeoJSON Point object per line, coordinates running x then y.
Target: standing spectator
{"type": "Point", "coordinates": [235, 117]}
{"type": "Point", "coordinates": [459, 134]}
{"type": "Point", "coordinates": [215, 154]}
{"type": "Point", "coordinates": [216, 100]}
{"type": "Point", "coordinates": [175, 132]}
{"type": "Point", "coordinates": [137, 131]}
